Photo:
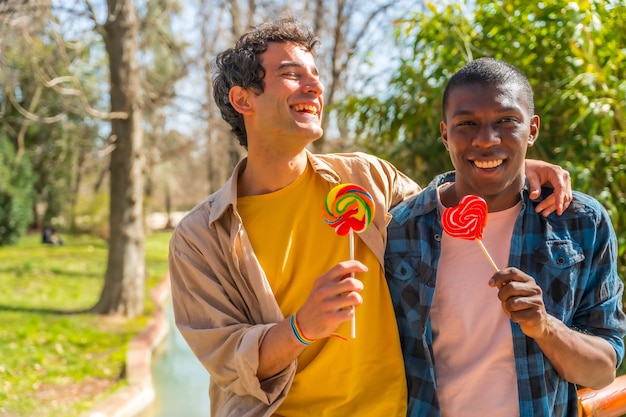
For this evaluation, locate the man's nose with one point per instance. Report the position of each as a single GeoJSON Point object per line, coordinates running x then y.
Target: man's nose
{"type": "Point", "coordinates": [486, 136]}
{"type": "Point", "coordinates": [313, 85]}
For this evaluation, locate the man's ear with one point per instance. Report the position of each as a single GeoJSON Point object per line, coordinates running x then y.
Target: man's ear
{"type": "Point", "coordinates": [534, 130]}
{"type": "Point", "coordinates": [239, 98]}
{"type": "Point", "coordinates": [443, 128]}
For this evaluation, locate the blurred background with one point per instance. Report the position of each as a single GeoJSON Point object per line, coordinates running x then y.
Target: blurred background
{"type": "Point", "coordinates": [108, 128]}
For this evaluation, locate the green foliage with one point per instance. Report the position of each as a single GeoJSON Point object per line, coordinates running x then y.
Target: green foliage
{"type": "Point", "coordinates": [55, 97]}
{"type": "Point", "coordinates": [162, 52]}
{"type": "Point", "coordinates": [43, 114]}
{"type": "Point", "coordinates": [572, 52]}
{"type": "Point", "coordinates": [16, 195]}
{"type": "Point", "coordinates": [92, 214]}
{"type": "Point", "coordinates": [56, 359]}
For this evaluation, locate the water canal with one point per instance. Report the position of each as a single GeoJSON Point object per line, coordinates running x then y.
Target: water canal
{"type": "Point", "coordinates": [180, 381]}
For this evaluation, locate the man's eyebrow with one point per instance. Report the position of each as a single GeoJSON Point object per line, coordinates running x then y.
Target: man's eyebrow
{"type": "Point", "coordinates": [298, 64]}
{"type": "Point", "coordinates": [503, 110]}
{"type": "Point", "coordinates": [462, 112]}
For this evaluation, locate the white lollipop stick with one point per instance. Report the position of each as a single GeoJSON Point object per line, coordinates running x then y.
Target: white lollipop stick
{"type": "Point", "coordinates": [353, 333]}
{"type": "Point", "coordinates": [489, 258]}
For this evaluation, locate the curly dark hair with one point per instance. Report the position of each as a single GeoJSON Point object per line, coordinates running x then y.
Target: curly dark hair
{"type": "Point", "coordinates": [241, 65]}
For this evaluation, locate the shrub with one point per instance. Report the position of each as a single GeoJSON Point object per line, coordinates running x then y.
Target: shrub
{"type": "Point", "coordinates": [16, 194]}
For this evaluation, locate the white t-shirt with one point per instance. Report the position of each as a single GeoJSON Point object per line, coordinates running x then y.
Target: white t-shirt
{"type": "Point", "coordinates": [473, 345]}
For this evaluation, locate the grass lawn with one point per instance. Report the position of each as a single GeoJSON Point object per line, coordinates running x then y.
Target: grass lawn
{"type": "Point", "coordinates": [53, 363]}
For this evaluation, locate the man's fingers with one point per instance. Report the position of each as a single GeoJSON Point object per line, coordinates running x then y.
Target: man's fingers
{"type": "Point", "coordinates": [344, 269]}
{"type": "Point", "coordinates": [548, 206]}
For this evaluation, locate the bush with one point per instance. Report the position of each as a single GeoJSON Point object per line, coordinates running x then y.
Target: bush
{"type": "Point", "coordinates": [16, 194]}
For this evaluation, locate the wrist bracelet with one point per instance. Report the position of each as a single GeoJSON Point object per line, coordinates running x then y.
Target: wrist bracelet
{"type": "Point", "coordinates": [298, 333]}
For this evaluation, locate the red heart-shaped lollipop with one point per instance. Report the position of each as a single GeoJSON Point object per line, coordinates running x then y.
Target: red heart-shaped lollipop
{"type": "Point", "coordinates": [467, 220]}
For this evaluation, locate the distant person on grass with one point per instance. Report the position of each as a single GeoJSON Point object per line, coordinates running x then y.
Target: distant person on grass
{"type": "Point", "coordinates": [50, 237]}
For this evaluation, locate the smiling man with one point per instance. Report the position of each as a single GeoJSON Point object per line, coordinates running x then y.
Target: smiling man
{"type": "Point", "coordinates": [261, 286]}
{"type": "Point", "coordinates": [513, 343]}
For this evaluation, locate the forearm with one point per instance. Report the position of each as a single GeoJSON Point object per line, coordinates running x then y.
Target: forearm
{"type": "Point", "coordinates": [579, 358]}
{"type": "Point", "coordinates": [278, 349]}
{"type": "Point", "coordinates": [225, 342]}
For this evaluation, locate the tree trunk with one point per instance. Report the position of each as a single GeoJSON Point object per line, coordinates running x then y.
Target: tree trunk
{"type": "Point", "coordinates": [123, 291]}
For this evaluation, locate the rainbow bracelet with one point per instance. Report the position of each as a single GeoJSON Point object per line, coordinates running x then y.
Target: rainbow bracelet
{"type": "Point", "coordinates": [298, 333]}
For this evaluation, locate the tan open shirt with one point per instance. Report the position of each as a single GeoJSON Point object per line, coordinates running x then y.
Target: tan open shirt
{"type": "Point", "coordinates": [223, 304]}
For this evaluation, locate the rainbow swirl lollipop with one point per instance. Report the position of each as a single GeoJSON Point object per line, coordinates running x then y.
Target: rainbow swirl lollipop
{"type": "Point", "coordinates": [348, 207]}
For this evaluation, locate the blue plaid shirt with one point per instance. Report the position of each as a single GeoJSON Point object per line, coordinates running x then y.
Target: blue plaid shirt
{"type": "Point", "coordinates": [573, 258]}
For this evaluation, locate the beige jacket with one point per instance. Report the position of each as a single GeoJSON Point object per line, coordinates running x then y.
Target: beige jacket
{"type": "Point", "coordinates": [223, 304]}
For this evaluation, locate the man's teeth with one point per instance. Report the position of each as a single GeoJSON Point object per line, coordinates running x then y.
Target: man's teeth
{"type": "Point", "coordinates": [488, 164]}
{"type": "Point", "coordinates": [305, 108]}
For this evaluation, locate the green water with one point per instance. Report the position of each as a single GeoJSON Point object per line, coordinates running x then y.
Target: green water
{"type": "Point", "coordinates": [180, 381]}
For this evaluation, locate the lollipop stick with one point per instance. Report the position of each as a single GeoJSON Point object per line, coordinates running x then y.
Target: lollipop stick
{"type": "Point", "coordinates": [493, 264]}
{"type": "Point", "coordinates": [353, 334]}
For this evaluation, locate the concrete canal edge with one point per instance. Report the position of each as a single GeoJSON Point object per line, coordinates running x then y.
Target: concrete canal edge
{"type": "Point", "coordinates": [132, 399]}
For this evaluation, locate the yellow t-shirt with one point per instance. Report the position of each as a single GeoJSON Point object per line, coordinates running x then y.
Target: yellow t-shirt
{"type": "Point", "coordinates": [362, 376]}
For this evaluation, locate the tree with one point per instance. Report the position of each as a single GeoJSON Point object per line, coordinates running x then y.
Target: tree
{"type": "Point", "coordinates": [573, 55]}
{"type": "Point", "coordinates": [16, 196]}
{"type": "Point", "coordinates": [347, 28]}
{"type": "Point", "coordinates": [52, 86]}
{"type": "Point", "coordinates": [123, 291]}
{"type": "Point", "coordinates": [124, 278]}
{"type": "Point", "coordinates": [222, 151]}
{"type": "Point", "coordinates": [42, 112]}
{"type": "Point", "coordinates": [163, 65]}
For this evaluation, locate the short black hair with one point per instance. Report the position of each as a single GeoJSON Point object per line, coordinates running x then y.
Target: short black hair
{"type": "Point", "coordinates": [489, 71]}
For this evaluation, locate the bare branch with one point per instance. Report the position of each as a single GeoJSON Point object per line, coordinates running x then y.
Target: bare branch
{"type": "Point", "coordinates": [28, 114]}
{"type": "Point", "coordinates": [364, 27]}
{"type": "Point", "coordinates": [93, 17]}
